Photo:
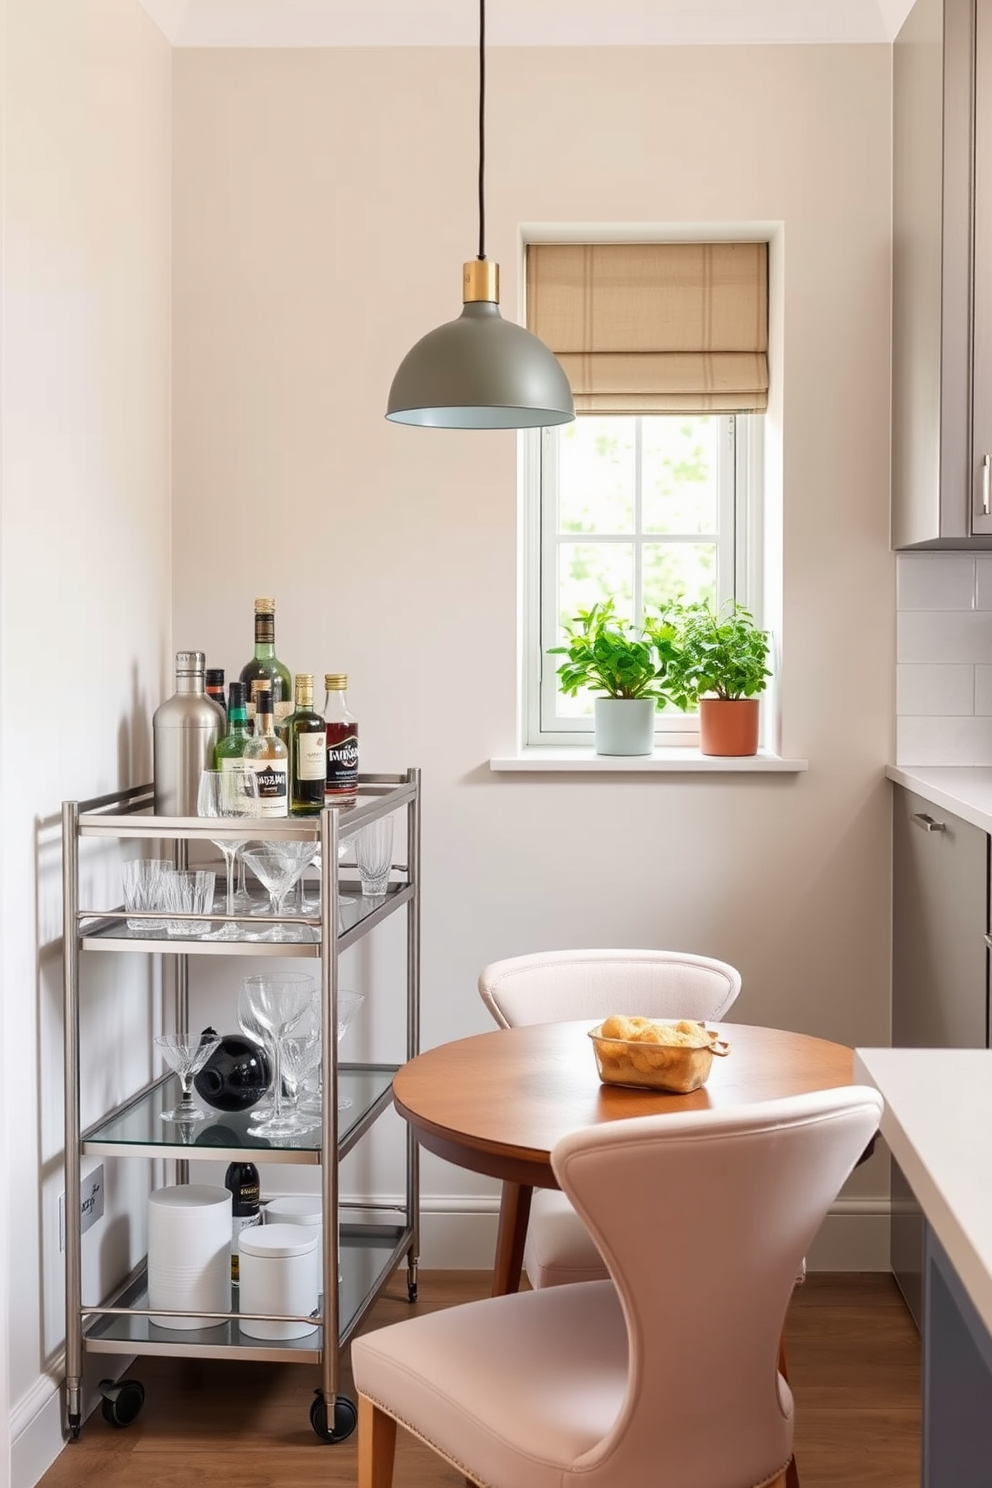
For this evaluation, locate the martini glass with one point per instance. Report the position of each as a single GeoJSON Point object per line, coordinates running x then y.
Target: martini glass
{"type": "Point", "coordinates": [277, 1003]}
{"type": "Point", "coordinates": [348, 1005]}
{"type": "Point", "coordinates": [277, 866]}
{"type": "Point", "coordinates": [228, 793]}
{"type": "Point", "coordinates": [186, 1054]}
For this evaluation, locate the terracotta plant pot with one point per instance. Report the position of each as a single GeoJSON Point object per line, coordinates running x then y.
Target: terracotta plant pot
{"type": "Point", "coordinates": [728, 726]}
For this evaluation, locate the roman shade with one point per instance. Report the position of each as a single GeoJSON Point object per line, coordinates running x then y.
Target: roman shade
{"type": "Point", "coordinates": [654, 327]}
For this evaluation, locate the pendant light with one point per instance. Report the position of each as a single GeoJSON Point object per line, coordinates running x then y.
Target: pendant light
{"type": "Point", "coordinates": [480, 371]}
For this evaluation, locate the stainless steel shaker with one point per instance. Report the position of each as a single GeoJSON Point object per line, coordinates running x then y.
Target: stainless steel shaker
{"type": "Point", "coordinates": [185, 730]}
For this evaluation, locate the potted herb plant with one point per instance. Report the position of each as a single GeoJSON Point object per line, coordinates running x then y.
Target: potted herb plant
{"type": "Point", "coordinates": [717, 662]}
{"type": "Point", "coordinates": [624, 664]}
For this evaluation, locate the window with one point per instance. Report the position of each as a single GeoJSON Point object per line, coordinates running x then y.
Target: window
{"type": "Point", "coordinates": [652, 495]}
{"type": "Point", "coordinates": [641, 508]}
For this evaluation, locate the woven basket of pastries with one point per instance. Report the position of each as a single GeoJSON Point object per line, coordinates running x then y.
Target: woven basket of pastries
{"type": "Point", "coordinates": [655, 1055]}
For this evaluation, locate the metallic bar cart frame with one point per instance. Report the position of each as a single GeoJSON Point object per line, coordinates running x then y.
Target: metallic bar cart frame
{"type": "Point", "coordinates": [123, 1323]}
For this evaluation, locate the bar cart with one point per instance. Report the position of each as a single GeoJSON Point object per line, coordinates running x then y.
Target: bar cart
{"type": "Point", "coordinates": [364, 1255]}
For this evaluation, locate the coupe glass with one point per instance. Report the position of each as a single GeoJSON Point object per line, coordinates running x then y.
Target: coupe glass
{"type": "Point", "coordinates": [277, 866]}
{"type": "Point", "coordinates": [277, 1003]}
{"type": "Point", "coordinates": [186, 1053]}
{"type": "Point", "coordinates": [229, 793]}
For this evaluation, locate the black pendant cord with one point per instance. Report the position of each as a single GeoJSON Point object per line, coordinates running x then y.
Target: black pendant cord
{"type": "Point", "coordinates": [482, 128]}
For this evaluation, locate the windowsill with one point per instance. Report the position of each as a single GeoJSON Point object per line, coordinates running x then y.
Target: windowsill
{"type": "Point", "coordinates": [545, 760]}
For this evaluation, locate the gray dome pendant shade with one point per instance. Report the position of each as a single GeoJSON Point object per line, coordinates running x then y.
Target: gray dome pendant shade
{"type": "Point", "coordinates": [480, 371]}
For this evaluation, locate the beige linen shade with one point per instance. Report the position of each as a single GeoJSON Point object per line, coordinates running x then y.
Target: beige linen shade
{"type": "Point", "coordinates": [654, 327]}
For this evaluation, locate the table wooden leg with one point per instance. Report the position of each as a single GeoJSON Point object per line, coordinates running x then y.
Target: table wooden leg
{"type": "Point", "coordinates": [514, 1212]}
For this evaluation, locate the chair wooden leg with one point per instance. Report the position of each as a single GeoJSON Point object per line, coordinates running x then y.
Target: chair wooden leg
{"type": "Point", "coordinates": [376, 1445]}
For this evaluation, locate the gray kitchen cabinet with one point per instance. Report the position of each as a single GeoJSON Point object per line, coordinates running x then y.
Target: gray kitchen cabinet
{"type": "Point", "coordinates": [941, 303]}
{"type": "Point", "coordinates": [940, 902]}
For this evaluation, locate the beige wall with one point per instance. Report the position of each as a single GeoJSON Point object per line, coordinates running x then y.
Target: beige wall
{"type": "Point", "coordinates": [324, 204]}
{"type": "Point", "coordinates": [84, 607]}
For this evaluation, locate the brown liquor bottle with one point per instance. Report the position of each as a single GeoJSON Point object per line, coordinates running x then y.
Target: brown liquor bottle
{"type": "Point", "coordinates": [341, 730]}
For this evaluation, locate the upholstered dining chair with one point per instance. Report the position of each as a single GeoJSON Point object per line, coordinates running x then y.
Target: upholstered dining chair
{"type": "Point", "coordinates": [664, 1376]}
{"type": "Point", "coordinates": [550, 986]}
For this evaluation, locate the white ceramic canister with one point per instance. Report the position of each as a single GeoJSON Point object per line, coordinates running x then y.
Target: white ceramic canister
{"type": "Point", "coordinates": [278, 1275]}
{"type": "Point", "coordinates": [301, 1209]}
{"type": "Point", "coordinates": [189, 1252]}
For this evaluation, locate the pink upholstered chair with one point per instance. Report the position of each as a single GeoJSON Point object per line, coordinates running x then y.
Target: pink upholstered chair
{"type": "Point", "coordinates": [664, 1377]}
{"type": "Point", "coordinates": [549, 986]}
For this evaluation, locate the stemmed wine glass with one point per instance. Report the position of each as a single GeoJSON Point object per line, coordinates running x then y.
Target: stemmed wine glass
{"type": "Point", "coordinates": [228, 793]}
{"type": "Point", "coordinates": [277, 866]}
{"type": "Point", "coordinates": [301, 1055]}
{"type": "Point", "coordinates": [277, 1003]}
{"type": "Point", "coordinates": [186, 1054]}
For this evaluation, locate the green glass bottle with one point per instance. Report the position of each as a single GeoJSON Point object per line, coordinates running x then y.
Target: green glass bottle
{"type": "Point", "coordinates": [265, 667]}
{"type": "Point", "coordinates": [306, 738]}
{"type": "Point", "coordinates": [230, 750]}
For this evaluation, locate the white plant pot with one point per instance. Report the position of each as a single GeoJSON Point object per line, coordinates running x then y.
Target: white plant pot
{"type": "Point", "coordinates": [625, 725]}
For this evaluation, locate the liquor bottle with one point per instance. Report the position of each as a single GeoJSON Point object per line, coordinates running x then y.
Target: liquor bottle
{"type": "Point", "coordinates": [246, 1210]}
{"type": "Point", "coordinates": [307, 752]}
{"type": "Point", "coordinates": [185, 730]}
{"type": "Point", "coordinates": [269, 758]}
{"type": "Point", "coordinates": [341, 735]}
{"type": "Point", "coordinates": [230, 749]}
{"type": "Point", "coordinates": [215, 686]}
{"type": "Point", "coordinates": [265, 666]}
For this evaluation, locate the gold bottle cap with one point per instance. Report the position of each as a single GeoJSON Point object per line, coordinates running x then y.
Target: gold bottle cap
{"type": "Point", "coordinates": [336, 681]}
{"type": "Point", "coordinates": [304, 687]}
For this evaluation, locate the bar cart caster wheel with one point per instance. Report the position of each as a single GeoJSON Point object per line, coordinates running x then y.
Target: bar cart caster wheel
{"type": "Point", "coordinates": [75, 1427]}
{"type": "Point", "coordinates": [122, 1400]}
{"type": "Point", "coordinates": [411, 1291]}
{"type": "Point", "coordinates": [345, 1418]}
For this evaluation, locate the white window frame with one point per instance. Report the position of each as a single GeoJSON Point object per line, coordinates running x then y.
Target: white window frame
{"type": "Point", "coordinates": [740, 542]}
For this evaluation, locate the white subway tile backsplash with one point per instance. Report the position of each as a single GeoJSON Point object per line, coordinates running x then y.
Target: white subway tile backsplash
{"type": "Point", "coordinates": [936, 691]}
{"type": "Point", "coordinates": [983, 581]}
{"type": "Point", "coordinates": [944, 741]}
{"type": "Point", "coordinates": [944, 636]}
{"type": "Point", "coordinates": [983, 691]}
{"type": "Point", "coordinates": [936, 581]}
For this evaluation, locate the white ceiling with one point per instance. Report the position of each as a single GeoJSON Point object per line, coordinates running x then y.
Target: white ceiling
{"type": "Point", "coordinates": [298, 23]}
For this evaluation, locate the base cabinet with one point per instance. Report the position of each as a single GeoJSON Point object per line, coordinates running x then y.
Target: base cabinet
{"type": "Point", "coordinates": [940, 877]}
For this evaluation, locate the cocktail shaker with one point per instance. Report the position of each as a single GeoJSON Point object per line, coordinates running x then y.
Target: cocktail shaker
{"type": "Point", "coordinates": [185, 731]}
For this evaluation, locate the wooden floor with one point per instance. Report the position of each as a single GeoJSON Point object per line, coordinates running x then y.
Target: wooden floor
{"type": "Point", "coordinates": [854, 1365]}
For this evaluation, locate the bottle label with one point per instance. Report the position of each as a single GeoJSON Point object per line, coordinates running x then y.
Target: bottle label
{"type": "Point", "coordinates": [273, 786]}
{"type": "Point", "coordinates": [342, 762]}
{"type": "Point", "coordinates": [281, 711]}
{"type": "Point", "coordinates": [310, 762]}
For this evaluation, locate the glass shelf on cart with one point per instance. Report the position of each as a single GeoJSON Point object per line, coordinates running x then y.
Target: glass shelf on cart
{"type": "Point", "coordinates": [139, 1124]}
{"type": "Point", "coordinates": [366, 1252]}
{"type": "Point", "coordinates": [109, 929]}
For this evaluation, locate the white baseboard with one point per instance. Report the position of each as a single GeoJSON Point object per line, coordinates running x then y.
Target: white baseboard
{"type": "Point", "coordinates": [460, 1235]}
{"type": "Point", "coordinates": [36, 1421]}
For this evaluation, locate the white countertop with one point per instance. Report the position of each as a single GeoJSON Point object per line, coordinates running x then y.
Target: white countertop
{"type": "Point", "coordinates": [966, 790]}
{"type": "Point", "coordinates": [938, 1125]}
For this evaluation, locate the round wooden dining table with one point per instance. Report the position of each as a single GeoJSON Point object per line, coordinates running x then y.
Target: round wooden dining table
{"type": "Point", "coordinates": [498, 1102]}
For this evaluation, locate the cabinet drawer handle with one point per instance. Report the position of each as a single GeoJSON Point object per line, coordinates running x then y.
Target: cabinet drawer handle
{"type": "Point", "coordinates": [927, 822]}
{"type": "Point", "coordinates": [986, 463]}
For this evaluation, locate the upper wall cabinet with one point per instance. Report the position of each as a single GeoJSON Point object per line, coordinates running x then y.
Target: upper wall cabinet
{"type": "Point", "coordinates": [942, 277]}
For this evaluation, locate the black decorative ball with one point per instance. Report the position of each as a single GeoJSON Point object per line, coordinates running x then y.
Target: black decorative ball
{"type": "Point", "coordinates": [237, 1074]}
